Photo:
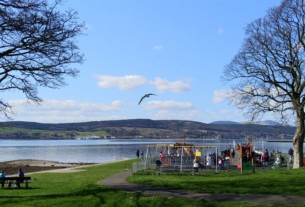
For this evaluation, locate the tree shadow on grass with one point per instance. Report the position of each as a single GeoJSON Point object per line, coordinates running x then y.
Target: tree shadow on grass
{"type": "Point", "coordinates": [91, 190]}
{"type": "Point", "coordinates": [96, 194]}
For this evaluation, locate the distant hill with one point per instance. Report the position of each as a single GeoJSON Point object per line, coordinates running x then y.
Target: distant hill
{"type": "Point", "coordinates": [268, 122]}
{"type": "Point", "coordinates": [142, 128]}
{"type": "Point", "coordinates": [265, 122]}
{"type": "Point", "coordinates": [225, 122]}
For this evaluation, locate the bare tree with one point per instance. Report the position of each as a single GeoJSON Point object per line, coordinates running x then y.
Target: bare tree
{"type": "Point", "coordinates": [268, 73]}
{"type": "Point", "coordinates": [37, 47]}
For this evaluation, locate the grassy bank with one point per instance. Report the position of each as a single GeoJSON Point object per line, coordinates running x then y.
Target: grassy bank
{"type": "Point", "coordinates": [83, 188]}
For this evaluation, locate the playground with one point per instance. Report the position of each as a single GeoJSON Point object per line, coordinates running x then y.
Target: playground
{"type": "Point", "coordinates": [183, 157]}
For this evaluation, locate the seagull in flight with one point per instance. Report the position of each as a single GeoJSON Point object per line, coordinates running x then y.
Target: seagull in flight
{"type": "Point", "coordinates": [146, 96]}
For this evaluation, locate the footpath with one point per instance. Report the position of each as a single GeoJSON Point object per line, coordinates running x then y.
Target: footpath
{"type": "Point", "coordinates": [118, 181]}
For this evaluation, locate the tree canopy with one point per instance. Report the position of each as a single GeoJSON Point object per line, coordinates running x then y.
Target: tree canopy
{"type": "Point", "coordinates": [267, 74]}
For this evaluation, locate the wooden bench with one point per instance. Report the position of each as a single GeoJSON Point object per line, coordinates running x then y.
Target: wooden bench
{"type": "Point", "coordinates": [14, 180]}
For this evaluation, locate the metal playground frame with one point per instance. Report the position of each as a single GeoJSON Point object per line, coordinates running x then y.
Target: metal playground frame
{"type": "Point", "coordinates": [180, 157]}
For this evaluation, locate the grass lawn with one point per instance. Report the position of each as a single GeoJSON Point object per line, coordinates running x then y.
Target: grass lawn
{"type": "Point", "coordinates": [83, 189]}
{"type": "Point", "coordinates": [273, 182]}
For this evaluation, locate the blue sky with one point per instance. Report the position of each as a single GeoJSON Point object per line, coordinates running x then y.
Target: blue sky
{"type": "Point", "coordinates": [175, 49]}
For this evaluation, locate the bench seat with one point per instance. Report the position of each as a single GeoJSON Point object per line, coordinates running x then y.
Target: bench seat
{"type": "Point", "coordinates": [16, 179]}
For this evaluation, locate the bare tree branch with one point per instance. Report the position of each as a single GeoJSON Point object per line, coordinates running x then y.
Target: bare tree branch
{"type": "Point", "coordinates": [37, 46]}
{"type": "Point", "coordinates": [267, 74]}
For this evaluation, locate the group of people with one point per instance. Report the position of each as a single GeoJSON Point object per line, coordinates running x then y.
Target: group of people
{"type": "Point", "coordinates": [17, 182]}
{"type": "Point", "coordinates": [208, 162]}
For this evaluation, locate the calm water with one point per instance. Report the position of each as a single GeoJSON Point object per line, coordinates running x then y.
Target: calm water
{"type": "Point", "coordinates": [98, 151]}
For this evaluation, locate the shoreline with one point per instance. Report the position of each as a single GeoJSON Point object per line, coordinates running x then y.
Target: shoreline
{"type": "Point", "coordinates": [46, 163]}
{"type": "Point", "coordinates": [32, 166]}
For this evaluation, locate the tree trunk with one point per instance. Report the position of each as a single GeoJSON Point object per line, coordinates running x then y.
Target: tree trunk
{"type": "Point", "coordinates": [298, 140]}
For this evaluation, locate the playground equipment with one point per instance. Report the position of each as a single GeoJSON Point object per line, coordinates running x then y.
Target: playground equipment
{"type": "Point", "coordinates": [180, 156]}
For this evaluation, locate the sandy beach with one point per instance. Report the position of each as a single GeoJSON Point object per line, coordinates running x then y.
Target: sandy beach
{"type": "Point", "coordinates": [31, 166]}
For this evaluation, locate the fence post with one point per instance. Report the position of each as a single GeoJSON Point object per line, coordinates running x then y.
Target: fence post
{"type": "Point", "coordinates": [216, 159]}
{"type": "Point", "coordinates": [181, 159]}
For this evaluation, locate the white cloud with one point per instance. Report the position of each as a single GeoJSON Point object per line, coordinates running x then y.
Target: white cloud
{"type": "Point", "coordinates": [126, 82]}
{"type": "Point", "coordinates": [158, 47]}
{"type": "Point", "coordinates": [220, 96]}
{"type": "Point", "coordinates": [60, 111]}
{"type": "Point", "coordinates": [174, 86]}
{"type": "Point", "coordinates": [129, 82]}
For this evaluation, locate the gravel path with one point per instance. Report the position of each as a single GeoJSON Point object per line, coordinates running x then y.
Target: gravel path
{"type": "Point", "coordinates": [118, 181]}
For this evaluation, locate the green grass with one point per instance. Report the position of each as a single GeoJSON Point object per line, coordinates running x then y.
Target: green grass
{"type": "Point", "coordinates": [47, 134]}
{"type": "Point", "coordinates": [272, 182]}
{"type": "Point", "coordinates": [82, 189]}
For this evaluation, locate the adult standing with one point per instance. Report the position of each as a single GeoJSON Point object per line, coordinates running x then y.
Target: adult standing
{"type": "Point", "coordinates": [196, 164]}
{"type": "Point", "coordinates": [138, 153]}
{"type": "Point", "coordinates": [290, 152]}
{"type": "Point", "coordinates": [266, 156]}
{"type": "Point", "coordinates": [2, 178]}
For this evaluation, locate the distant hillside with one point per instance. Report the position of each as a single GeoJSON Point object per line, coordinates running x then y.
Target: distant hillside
{"type": "Point", "coordinates": [265, 122]}
{"type": "Point", "coordinates": [141, 128]}
{"type": "Point", "coordinates": [268, 122]}
{"type": "Point", "coordinates": [224, 122]}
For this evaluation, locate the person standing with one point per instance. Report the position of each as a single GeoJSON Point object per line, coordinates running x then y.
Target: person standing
{"type": "Point", "coordinates": [290, 152]}
{"type": "Point", "coordinates": [2, 178]}
{"type": "Point", "coordinates": [162, 157]}
{"type": "Point", "coordinates": [208, 161]}
{"type": "Point", "coordinates": [196, 164]}
{"type": "Point", "coordinates": [138, 153]}
{"type": "Point", "coordinates": [266, 156]}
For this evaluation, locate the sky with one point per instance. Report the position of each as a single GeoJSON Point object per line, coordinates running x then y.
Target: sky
{"type": "Point", "coordinates": [176, 49]}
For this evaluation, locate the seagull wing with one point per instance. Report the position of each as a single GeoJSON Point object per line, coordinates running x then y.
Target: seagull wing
{"type": "Point", "coordinates": [146, 96]}
{"type": "Point", "coordinates": [150, 94]}
{"type": "Point", "coordinates": [141, 100]}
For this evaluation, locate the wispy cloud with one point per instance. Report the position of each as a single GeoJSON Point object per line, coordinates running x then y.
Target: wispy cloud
{"type": "Point", "coordinates": [158, 47]}
{"type": "Point", "coordinates": [221, 96]}
{"type": "Point", "coordinates": [57, 111]}
{"type": "Point", "coordinates": [126, 82]}
{"type": "Point", "coordinates": [172, 86]}
{"type": "Point", "coordinates": [220, 31]}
